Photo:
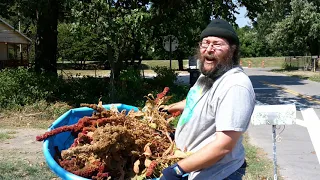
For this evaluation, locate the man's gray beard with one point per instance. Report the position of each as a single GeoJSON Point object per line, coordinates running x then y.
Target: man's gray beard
{"type": "Point", "coordinates": [205, 82]}
{"type": "Point", "coordinates": [210, 76]}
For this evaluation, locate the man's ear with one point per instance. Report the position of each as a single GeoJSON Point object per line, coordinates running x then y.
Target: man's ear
{"type": "Point", "coordinates": [233, 48]}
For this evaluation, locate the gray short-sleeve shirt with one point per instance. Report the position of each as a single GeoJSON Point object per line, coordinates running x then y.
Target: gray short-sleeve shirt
{"type": "Point", "coordinates": [226, 106]}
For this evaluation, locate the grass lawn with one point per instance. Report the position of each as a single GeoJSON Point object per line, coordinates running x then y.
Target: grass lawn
{"type": "Point", "coordinates": [259, 166]}
{"type": "Point", "coordinates": [256, 62]}
{"type": "Point", "coordinates": [17, 169]}
{"type": "Point", "coordinates": [148, 64]}
{"type": "Point", "coordinates": [309, 75]}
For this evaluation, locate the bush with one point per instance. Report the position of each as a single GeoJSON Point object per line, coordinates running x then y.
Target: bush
{"type": "Point", "coordinates": [83, 90]}
{"type": "Point", "coordinates": [165, 76]}
{"type": "Point", "coordinates": [131, 87]}
{"type": "Point", "coordinates": [21, 87]}
{"type": "Point", "coordinates": [288, 67]}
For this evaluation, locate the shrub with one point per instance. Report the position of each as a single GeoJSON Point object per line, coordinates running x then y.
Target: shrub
{"type": "Point", "coordinates": [165, 76]}
{"type": "Point", "coordinates": [21, 87]}
{"type": "Point", "coordinates": [288, 67]}
{"type": "Point", "coordinates": [83, 90]}
{"type": "Point", "coordinates": [131, 87]}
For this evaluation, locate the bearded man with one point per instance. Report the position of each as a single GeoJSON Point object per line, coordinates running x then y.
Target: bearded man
{"type": "Point", "coordinates": [216, 111]}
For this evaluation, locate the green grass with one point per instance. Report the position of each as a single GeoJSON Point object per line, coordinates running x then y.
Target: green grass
{"type": "Point", "coordinates": [5, 135]}
{"type": "Point", "coordinates": [148, 64]}
{"type": "Point", "coordinates": [256, 62]}
{"type": "Point", "coordinates": [17, 169]}
{"type": "Point", "coordinates": [259, 166]}
{"type": "Point", "coordinates": [306, 75]}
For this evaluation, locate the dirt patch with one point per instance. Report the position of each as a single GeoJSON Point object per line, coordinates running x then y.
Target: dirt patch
{"type": "Point", "coordinates": [23, 145]}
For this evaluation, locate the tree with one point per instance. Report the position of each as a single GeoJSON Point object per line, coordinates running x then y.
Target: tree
{"type": "Point", "coordinates": [192, 17]}
{"type": "Point", "coordinates": [253, 45]}
{"type": "Point", "coordinates": [118, 24]}
{"type": "Point", "coordinates": [299, 31]}
{"type": "Point", "coordinates": [79, 45]}
{"type": "Point", "coordinates": [44, 15]}
{"type": "Point", "coordinates": [125, 27]}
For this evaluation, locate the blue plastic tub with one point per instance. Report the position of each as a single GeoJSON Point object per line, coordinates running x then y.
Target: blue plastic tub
{"type": "Point", "coordinates": [65, 139]}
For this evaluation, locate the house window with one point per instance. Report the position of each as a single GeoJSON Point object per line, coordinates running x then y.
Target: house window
{"type": "Point", "coordinates": [12, 52]}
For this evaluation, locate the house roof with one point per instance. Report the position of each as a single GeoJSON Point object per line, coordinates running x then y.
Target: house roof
{"type": "Point", "coordinates": [11, 27]}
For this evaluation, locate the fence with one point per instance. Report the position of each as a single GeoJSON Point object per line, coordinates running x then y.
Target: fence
{"type": "Point", "coordinates": [306, 63]}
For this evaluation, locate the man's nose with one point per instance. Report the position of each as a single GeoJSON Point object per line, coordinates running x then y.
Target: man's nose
{"type": "Point", "coordinates": [210, 48]}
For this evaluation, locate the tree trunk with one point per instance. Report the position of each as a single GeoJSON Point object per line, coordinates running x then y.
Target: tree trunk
{"type": "Point", "coordinates": [180, 60]}
{"type": "Point", "coordinates": [112, 83]}
{"type": "Point", "coordinates": [118, 66]}
{"type": "Point", "coordinates": [46, 40]}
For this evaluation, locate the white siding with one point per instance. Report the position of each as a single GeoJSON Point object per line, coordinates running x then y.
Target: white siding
{"type": "Point", "coordinates": [10, 36]}
{"type": "Point", "coordinates": [3, 51]}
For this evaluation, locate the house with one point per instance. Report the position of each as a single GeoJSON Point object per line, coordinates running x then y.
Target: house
{"type": "Point", "coordinates": [14, 46]}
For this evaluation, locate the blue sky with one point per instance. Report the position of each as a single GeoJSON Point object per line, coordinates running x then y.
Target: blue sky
{"type": "Point", "coordinates": [241, 19]}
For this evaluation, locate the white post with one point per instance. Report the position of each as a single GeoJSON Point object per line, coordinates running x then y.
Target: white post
{"type": "Point", "coordinates": [274, 143]}
{"type": "Point", "coordinates": [274, 115]}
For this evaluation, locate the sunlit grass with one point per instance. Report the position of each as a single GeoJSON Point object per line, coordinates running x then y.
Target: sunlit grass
{"type": "Point", "coordinates": [17, 169]}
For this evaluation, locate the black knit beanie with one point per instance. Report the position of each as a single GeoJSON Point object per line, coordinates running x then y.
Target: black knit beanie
{"type": "Point", "coordinates": [221, 28]}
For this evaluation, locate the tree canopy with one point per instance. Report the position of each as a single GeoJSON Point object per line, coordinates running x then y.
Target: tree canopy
{"type": "Point", "coordinates": [121, 31]}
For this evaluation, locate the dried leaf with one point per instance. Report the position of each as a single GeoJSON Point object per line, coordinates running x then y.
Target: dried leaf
{"type": "Point", "coordinates": [147, 150]}
{"type": "Point", "coordinates": [136, 166]}
{"type": "Point", "coordinates": [100, 104]}
{"type": "Point", "coordinates": [147, 162]}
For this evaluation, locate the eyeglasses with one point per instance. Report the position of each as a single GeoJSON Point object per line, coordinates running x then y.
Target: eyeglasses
{"type": "Point", "coordinates": [215, 45]}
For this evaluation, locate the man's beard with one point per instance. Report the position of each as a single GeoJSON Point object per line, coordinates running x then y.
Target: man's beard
{"type": "Point", "coordinates": [224, 64]}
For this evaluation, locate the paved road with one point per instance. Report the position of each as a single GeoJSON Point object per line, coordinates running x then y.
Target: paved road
{"type": "Point", "coordinates": [296, 157]}
{"type": "Point", "coordinates": [295, 153]}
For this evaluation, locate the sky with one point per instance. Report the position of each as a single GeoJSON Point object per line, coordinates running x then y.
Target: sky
{"type": "Point", "coordinates": [241, 19]}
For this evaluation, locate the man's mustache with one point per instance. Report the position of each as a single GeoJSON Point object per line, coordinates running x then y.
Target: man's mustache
{"type": "Point", "coordinates": [210, 56]}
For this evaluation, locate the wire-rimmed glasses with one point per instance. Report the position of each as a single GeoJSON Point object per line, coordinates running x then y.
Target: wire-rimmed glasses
{"type": "Point", "coordinates": [215, 45]}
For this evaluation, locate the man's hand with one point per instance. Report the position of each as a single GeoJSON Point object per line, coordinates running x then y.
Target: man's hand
{"type": "Point", "coordinates": [173, 172]}
{"type": "Point", "coordinates": [164, 108]}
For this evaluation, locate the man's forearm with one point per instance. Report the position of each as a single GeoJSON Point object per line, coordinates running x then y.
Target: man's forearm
{"type": "Point", "coordinates": [179, 106]}
{"type": "Point", "coordinates": [204, 158]}
{"type": "Point", "coordinates": [212, 152]}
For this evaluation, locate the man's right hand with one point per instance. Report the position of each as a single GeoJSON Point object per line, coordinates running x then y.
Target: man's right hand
{"type": "Point", "coordinates": [174, 172]}
{"type": "Point", "coordinates": [164, 108]}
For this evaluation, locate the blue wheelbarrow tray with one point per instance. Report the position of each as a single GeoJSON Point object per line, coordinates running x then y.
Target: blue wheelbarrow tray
{"type": "Point", "coordinates": [64, 140]}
